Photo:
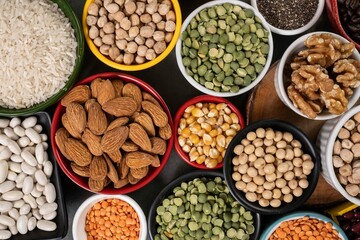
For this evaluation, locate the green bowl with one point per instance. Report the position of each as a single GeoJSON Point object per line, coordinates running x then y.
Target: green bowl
{"type": "Point", "coordinates": [68, 11]}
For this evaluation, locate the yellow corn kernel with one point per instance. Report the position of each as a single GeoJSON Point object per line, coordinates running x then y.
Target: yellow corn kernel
{"type": "Point", "coordinates": [214, 132]}
{"type": "Point", "coordinates": [225, 126]}
{"type": "Point", "coordinates": [195, 127]}
{"type": "Point", "coordinates": [227, 110]}
{"type": "Point", "coordinates": [227, 119]}
{"type": "Point", "coordinates": [223, 154]}
{"type": "Point", "coordinates": [193, 154]}
{"type": "Point", "coordinates": [207, 127]}
{"type": "Point", "coordinates": [194, 139]}
{"type": "Point", "coordinates": [189, 109]}
{"type": "Point", "coordinates": [199, 105]}
{"type": "Point", "coordinates": [185, 132]}
{"type": "Point", "coordinates": [205, 110]}
{"type": "Point", "coordinates": [200, 120]}
{"type": "Point", "coordinates": [214, 153]}
{"type": "Point", "coordinates": [220, 149]}
{"type": "Point", "coordinates": [220, 159]}
{"type": "Point", "coordinates": [200, 150]}
{"type": "Point", "coordinates": [211, 163]}
{"type": "Point", "coordinates": [196, 112]}
{"type": "Point", "coordinates": [186, 115]}
{"type": "Point", "coordinates": [200, 159]}
{"type": "Point", "coordinates": [219, 131]}
{"type": "Point", "coordinates": [186, 148]}
{"type": "Point", "coordinates": [211, 106]}
{"type": "Point", "coordinates": [230, 132]}
{"type": "Point", "coordinates": [220, 120]}
{"type": "Point", "coordinates": [221, 106]}
{"type": "Point", "coordinates": [201, 143]}
{"type": "Point", "coordinates": [211, 121]}
{"type": "Point", "coordinates": [182, 123]}
{"type": "Point", "coordinates": [201, 133]}
{"type": "Point", "coordinates": [190, 120]}
{"type": "Point", "coordinates": [213, 113]}
{"type": "Point", "coordinates": [228, 140]}
{"type": "Point", "coordinates": [207, 139]}
{"type": "Point", "coordinates": [181, 141]}
{"type": "Point", "coordinates": [206, 150]}
{"type": "Point", "coordinates": [234, 118]}
{"type": "Point", "coordinates": [213, 144]}
{"type": "Point", "coordinates": [235, 126]}
{"type": "Point", "coordinates": [220, 140]}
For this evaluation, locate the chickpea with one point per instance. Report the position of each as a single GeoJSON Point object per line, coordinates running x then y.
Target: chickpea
{"type": "Point", "coordinates": [140, 8]}
{"type": "Point", "coordinates": [236, 176]}
{"type": "Point", "coordinates": [276, 193]}
{"type": "Point", "coordinates": [252, 172]}
{"type": "Point", "coordinates": [125, 23]}
{"type": "Point", "coordinates": [98, 42]}
{"type": "Point", "coordinates": [293, 184]}
{"type": "Point", "coordinates": [250, 196]}
{"type": "Point", "coordinates": [128, 58]}
{"type": "Point", "coordinates": [288, 198]}
{"type": "Point", "coordinates": [260, 133]}
{"type": "Point", "coordinates": [150, 42]}
{"type": "Point", "coordinates": [303, 183]}
{"type": "Point", "coordinates": [251, 187]}
{"type": "Point", "coordinates": [170, 16]}
{"type": "Point", "coordinates": [278, 136]}
{"type": "Point", "coordinates": [278, 174]}
{"type": "Point", "coordinates": [114, 52]}
{"type": "Point", "coordinates": [267, 194]}
{"type": "Point", "coordinates": [270, 177]}
{"type": "Point", "coordinates": [264, 202]}
{"type": "Point", "coordinates": [252, 158]}
{"type": "Point", "coordinates": [259, 152]}
{"type": "Point", "coordinates": [159, 36]}
{"type": "Point", "coordinates": [275, 203]}
{"type": "Point", "coordinates": [131, 47]}
{"type": "Point", "coordinates": [141, 51]}
{"type": "Point", "coordinates": [269, 168]}
{"type": "Point", "coordinates": [160, 47]}
{"type": "Point", "coordinates": [249, 149]}
{"type": "Point", "coordinates": [280, 183]}
{"type": "Point", "coordinates": [150, 54]}
{"type": "Point", "coordinates": [261, 172]}
{"type": "Point", "coordinates": [170, 26]}
{"type": "Point", "coordinates": [246, 178]}
{"type": "Point", "coordinates": [108, 39]}
{"type": "Point", "coordinates": [259, 180]}
{"type": "Point", "coordinates": [289, 175]}
{"type": "Point", "coordinates": [133, 32]}
{"type": "Point", "coordinates": [104, 49]}
{"type": "Point", "coordinates": [251, 136]}
{"type": "Point", "coordinates": [259, 163]}
{"type": "Point", "coordinates": [269, 185]}
{"type": "Point", "coordinates": [161, 25]}
{"type": "Point", "coordinates": [269, 134]}
{"type": "Point", "coordinates": [297, 192]}
{"type": "Point", "coordinates": [238, 149]}
{"type": "Point", "coordinates": [285, 190]}
{"type": "Point", "coordinates": [240, 185]}
{"type": "Point", "coordinates": [93, 32]}
{"type": "Point", "coordinates": [91, 20]}
{"type": "Point", "coordinates": [269, 158]}
{"type": "Point", "coordinates": [268, 142]}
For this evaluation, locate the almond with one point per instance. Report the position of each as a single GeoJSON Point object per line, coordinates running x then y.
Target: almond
{"type": "Point", "coordinates": [146, 122]}
{"type": "Point", "coordinates": [121, 183]}
{"type": "Point", "coordinates": [165, 132]}
{"type": "Point", "coordinates": [139, 173]}
{"type": "Point", "coordinates": [76, 115]}
{"type": "Point", "coordinates": [158, 145]}
{"type": "Point", "coordinates": [78, 152]}
{"type": "Point", "coordinates": [79, 94]}
{"type": "Point", "coordinates": [148, 97]}
{"type": "Point", "coordinates": [115, 156]}
{"type": "Point", "coordinates": [114, 139]}
{"type": "Point", "coordinates": [81, 171]}
{"type": "Point", "coordinates": [112, 173]}
{"type": "Point", "coordinates": [118, 86]}
{"type": "Point", "coordinates": [132, 180]}
{"type": "Point", "coordinates": [133, 91]}
{"type": "Point", "coordinates": [123, 169]}
{"type": "Point", "coordinates": [156, 161]}
{"type": "Point", "coordinates": [139, 136]}
{"type": "Point", "coordinates": [60, 137]}
{"type": "Point", "coordinates": [118, 122]}
{"type": "Point", "coordinates": [93, 142]}
{"type": "Point", "coordinates": [157, 113]}
{"type": "Point", "coordinates": [98, 168]}
{"type": "Point", "coordinates": [138, 159]}
{"type": "Point", "coordinates": [97, 186]}
{"type": "Point", "coordinates": [129, 146]}
{"type": "Point", "coordinates": [97, 121]}
{"type": "Point", "coordinates": [89, 102]}
{"type": "Point", "coordinates": [120, 106]}
{"type": "Point", "coordinates": [105, 92]}
{"type": "Point", "coordinates": [69, 127]}
{"type": "Point", "coordinates": [95, 86]}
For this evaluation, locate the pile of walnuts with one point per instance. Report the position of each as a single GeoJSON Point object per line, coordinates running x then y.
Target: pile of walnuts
{"type": "Point", "coordinates": [324, 75]}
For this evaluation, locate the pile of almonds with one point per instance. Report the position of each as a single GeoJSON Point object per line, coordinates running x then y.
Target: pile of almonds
{"type": "Point", "coordinates": [112, 132]}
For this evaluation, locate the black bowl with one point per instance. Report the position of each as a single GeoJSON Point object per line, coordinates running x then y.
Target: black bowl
{"type": "Point", "coordinates": [307, 146]}
{"type": "Point", "coordinates": [152, 225]}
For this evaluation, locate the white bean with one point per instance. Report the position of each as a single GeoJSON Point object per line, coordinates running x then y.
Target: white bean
{"type": "Point", "coordinates": [23, 141]}
{"type": "Point", "coordinates": [13, 229]}
{"type": "Point", "coordinates": [14, 122]}
{"type": "Point", "coordinates": [33, 135]}
{"type": "Point", "coordinates": [7, 186]}
{"type": "Point", "coordinates": [13, 195]}
{"type": "Point", "coordinates": [10, 133]}
{"type": "Point", "coordinates": [19, 203]}
{"type": "Point", "coordinates": [22, 224]}
{"type": "Point", "coordinates": [50, 192]}
{"type": "Point", "coordinates": [39, 187]}
{"type": "Point", "coordinates": [20, 178]}
{"type": "Point", "coordinates": [41, 177]}
{"type": "Point", "coordinates": [46, 225]}
{"type": "Point", "coordinates": [31, 223]}
{"type": "Point", "coordinates": [4, 139]}
{"type": "Point", "coordinates": [25, 209]}
{"type": "Point", "coordinates": [14, 147]}
{"type": "Point", "coordinates": [29, 158]}
{"type": "Point", "coordinates": [14, 213]}
{"type": "Point", "coordinates": [46, 145]}
{"type": "Point", "coordinates": [5, 206]}
{"type": "Point", "coordinates": [41, 201]}
{"type": "Point", "coordinates": [26, 168]}
{"type": "Point", "coordinates": [39, 153]}
{"type": "Point", "coordinates": [16, 158]}
{"type": "Point", "coordinates": [38, 128]}
{"type": "Point", "coordinates": [35, 193]}
{"type": "Point", "coordinates": [18, 130]}
{"type": "Point", "coordinates": [2, 227]}
{"type": "Point", "coordinates": [30, 148]}
{"type": "Point", "coordinates": [29, 122]}
{"type": "Point", "coordinates": [4, 122]}
{"type": "Point", "coordinates": [44, 137]}
{"type": "Point", "coordinates": [48, 208]}
{"type": "Point", "coordinates": [6, 220]}
{"type": "Point", "coordinates": [30, 200]}
{"type": "Point", "coordinates": [5, 234]}
{"type": "Point", "coordinates": [5, 154]}
{"type": "Point", "coordinates": [4, 170]}
{"type": "Point", "coordinates": [50, 216]}
{"type": "Point", "coordinates": [36, 214]}
{"type": "Point", "coordinates": [11, 176]}
{"type": "Point", "coordinates": [15, 167]}
{"type": "Point", "coordinates": [48, 168]}
{"type": "Point", "coordinates": [28, 185]}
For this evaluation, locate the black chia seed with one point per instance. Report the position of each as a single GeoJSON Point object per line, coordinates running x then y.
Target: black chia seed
{"type": "Point", "coordinates": [287, 14]}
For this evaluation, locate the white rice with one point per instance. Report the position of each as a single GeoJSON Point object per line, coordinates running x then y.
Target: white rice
{"type": "Point", "coordinates": [37, 51]}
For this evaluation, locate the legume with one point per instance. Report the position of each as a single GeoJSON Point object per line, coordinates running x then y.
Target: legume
{"type": "Point", "coordinates": [305, 228]}
{"type": "Point", "coordinates": [270, 167]}
{"type": "Point", "coordinates": [287, 14]}
{"type": "Point", "coordinates": [112, 219]}
{"type": "Point", "coordinates": [350, 223]}
{"type": "Point", "coordinates": [349, 13]}
{"type": "Point", "coordinates": [203, 209]}
{"type": "Point", "coordinates": [224, 47]}
{"type": "Point", "coordinates": [205, 130]}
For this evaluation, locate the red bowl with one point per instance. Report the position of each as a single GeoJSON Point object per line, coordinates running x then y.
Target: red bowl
{"type": "Point", "coordinates": [334, 18]}
{"type": "Point", "coordinates": [179, 114]}
{"type": "Point", "coordinates": [82, 181]}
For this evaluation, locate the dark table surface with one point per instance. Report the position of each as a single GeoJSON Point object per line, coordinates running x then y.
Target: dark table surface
{"type": "Point", "coordinates": [168, 81]}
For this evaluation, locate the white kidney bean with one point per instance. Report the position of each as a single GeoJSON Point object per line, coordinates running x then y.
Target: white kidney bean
{"type": "Point", "coordinates": [23, 141]}
{"type": "Point", "coordinates": [4, 139]}
{"type": "Point", "coordinates": [48, 168]}
{"type": "Point", "coordinates": [16, 158]}
{"type": "Point", "coordinates": [20, 180]}
{"type": "Point", "coordinates": [46, 225]}
{"type": "Point", "coordinates": [50, 216]}
{"type": "Point", "coordinates": [6, 220]}
{"type": "Point", "coordinates": [30, 200]}
{"type": "Point", "coordinates": [14, 213]}
{"type": "Point", "coordinates": [48, 208]}
{"type": "Point", "coordinates": [50, 192]}
{"type": "Point", "coordinates": [5, 206]}
{"type": "Point", "coordinates": [39, 153]}
{"type": "Point", "coordinates": [15, 167]}
{"type": "Point", "coordinates": [14, 147]}
{"type": "Point", "coordinates": [13, 195]}
{"type": "Point", "coordinates": [29, 158]}
{"type": "Point", "coordinates": [29, 122]}
{"type": "Point", "coordinates": [31, 223]}
{"type": "Point", "coordinates": [46, 146]}
{"type": "Point", "coordinates": [4, 168]}
{"type": "Point", "coordinates": [11, 176]}
{"type": "Point", "coordinates": [25, 209]}
{"type": "Point", "coordinates": [5, 234]}
{"type": "Point", "coordinates": [7, 186]}
{"type": "Point", "coordinates": [19, 203]}
{"type": "Point", "coordinates": [22, 224]}
{"type": "Point", "coordinates": [4, 122]}
{"type": "Point", "coordinates": [41, 177]}
{"type": "Point", "coordinates": [26, 168]}
{"type": "Point", "coordinates": [2, 227]}
{"type": "Point", "coordinates": [36, 214]}
{"type": "Point", "coordinates": [41, 201]}
{"type": "Point", "coordinates": [35, 193]}
{"type": "Point", "coordinates": [44, 137]}
{"type": "Point", "coordinates": [28, 185]}
{"type": "Point", "coordinates": [5, 154]}
{"type": "Point", "coordinates": [38, 128]}
{"type": "Point", "coordinates": [13, 229]}
{"type": "Point", "coordinates": [39, 187]}
{"type": "Point", "coordinates": [33, 135]}
{"type": "Point", "coordinates": [9, 132]}
{"type": "Point", "coordinates": [18, 130]}
{"type": "Point", "coordinates": [14, 122]}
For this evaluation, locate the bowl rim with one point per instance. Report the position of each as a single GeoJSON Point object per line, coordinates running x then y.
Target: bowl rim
{"type": "Point", "coordinates": [61, 160]}
{"type": "Point", "coordinates": [180, 112]}
{"type": "Point", "coordinates": [300, 136]}
{"type": "Point", "coordinates": [137, 67]}
{"type": "Point", "coordinates": [80, 50]}
{"type": "Point", "coordinates": [279, 78]}
{"type": "Point", "coordinates": [313, 20]}
{"type": "Point", "coordinates": [200, 87]}
{"type": "Point", "coordinates": [329, 153]}
{"type": "Point", "coordinates": [165, 192]}
{"type": "Point", "coordinates": [299, 214]}
{"type": "Point", "coordinates": [98, 197]}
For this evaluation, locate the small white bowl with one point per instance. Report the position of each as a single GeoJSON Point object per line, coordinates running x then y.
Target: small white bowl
{"type": "Point", "coordinates": [283, 75]}
{"type": "Point", "coordinates": [326, 139]}
{"type": "Point", "coordinates": [200, 87]}
{"type": "Point", "coordinates": [292, 216]}
{"type": "Point", "coordinates": [302, 29]}
{"type": "Point", "coordinates": [78, 228]}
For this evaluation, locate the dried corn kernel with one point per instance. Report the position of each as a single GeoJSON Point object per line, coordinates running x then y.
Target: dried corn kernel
{"type": "Point", "coordinates": [194, 139]}
{"type": "Point", "coordinates": [211, 163]}
{"type": "Point", "coordinates": [181, 141]}
{"type": "Point", "coordinates": [221, 140]}
{"type": "Point", "coordinates": [196, 112]}
{"type": "Point", "coordinates": [214, 153]}
{"type": "Point", "coordinates": [227, 119]}
{"type": "Point", "coordinates": [190, 119]}
{"type": "Point", "coordinates": [207, 139]}
{"type": "Point", "coordinates": [225, 126]}
{"type": "Point", "coordinates": [221, 106]}
{"type": "Point", "coordinates": [196, 127]}
{"type": "Point", "coordinates": [182, 123]}
{"type": "Point", "coordinates": [185, 132]}
{"type": "Point", "coordinates": [213, 133]}
{"type": "Point", "coordinates": [206, 126]}
{"type": "Point", "coordinates": [234, 118]}
{"type": "Point", "coordinates": [189, 109]}
{"type": "Point", "coordinates": [200, 159]}
{"type": "Point", "coordinates": [213, 113]}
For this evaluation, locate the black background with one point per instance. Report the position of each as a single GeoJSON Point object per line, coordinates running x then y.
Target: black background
{"type": "Point", "coordinates": [168, 81]}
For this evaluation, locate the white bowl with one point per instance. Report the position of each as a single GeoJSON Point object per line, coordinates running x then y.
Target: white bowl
{"type": "Point", "coordinates": [78, 228]}
{"type": "Point", "coordinates": [302, 29]}
{"type": "Point", "coordinates": [326, 139]}
{"type": "Point", "coordinates": [270, 229]}
{"type": "Point", "coordinates": [200, 87]}
{"type": "Point", "coordinates": [282, 76]}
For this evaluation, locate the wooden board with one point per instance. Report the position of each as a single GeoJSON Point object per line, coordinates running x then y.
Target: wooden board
{"type": "Point", "coordinates": [264, 103]}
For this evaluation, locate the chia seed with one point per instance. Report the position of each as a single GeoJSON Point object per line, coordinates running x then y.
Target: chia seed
{"type": "Point", "coordinates": [287, 14]}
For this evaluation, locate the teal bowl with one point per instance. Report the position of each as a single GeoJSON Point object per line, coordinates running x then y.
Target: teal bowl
{"type": "Point", "coordinates": [75, 23]}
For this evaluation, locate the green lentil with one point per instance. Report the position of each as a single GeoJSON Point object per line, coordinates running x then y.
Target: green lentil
{"type": "Point", "coordinates": [215, 215]}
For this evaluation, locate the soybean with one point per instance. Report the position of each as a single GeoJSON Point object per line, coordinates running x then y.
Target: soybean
{"type": "Point", "coordinates": [203, 209]}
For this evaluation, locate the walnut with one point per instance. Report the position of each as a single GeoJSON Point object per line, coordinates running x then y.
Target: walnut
{"type": "Point", "coordinates": [301, 103]}
{"type": "Point", "coordinates": [335, 100]}
{"type": "Point", "coordinates": [348, 72]}
{"type": "Point", "coordinates": [298, 62]}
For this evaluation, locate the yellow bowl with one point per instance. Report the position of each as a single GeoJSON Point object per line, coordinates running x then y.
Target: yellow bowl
{"type": "Point", "coordinates": [135, 67]}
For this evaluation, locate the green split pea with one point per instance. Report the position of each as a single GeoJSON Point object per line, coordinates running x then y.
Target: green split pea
{"type": "Point", "coordinates": [225, 47]}
{"type": "Point", "coordinates": [203, 209]}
